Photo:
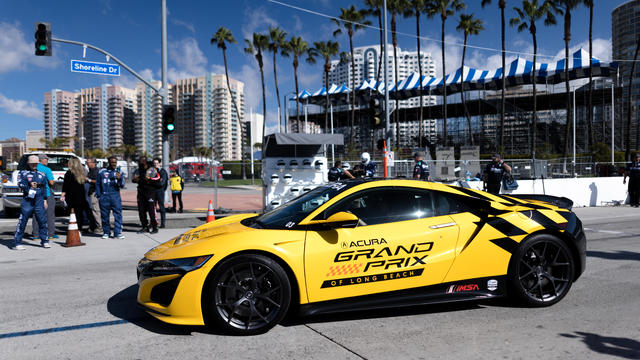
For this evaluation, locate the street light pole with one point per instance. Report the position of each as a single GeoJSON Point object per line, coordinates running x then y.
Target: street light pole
{"type": "Point", "coordinates": [386, 83]}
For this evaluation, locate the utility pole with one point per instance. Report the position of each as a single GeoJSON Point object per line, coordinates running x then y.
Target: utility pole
{"type": "Point", "coordinates": [387, 128]}
{"type": "Point", "coordinates": [164, 92]}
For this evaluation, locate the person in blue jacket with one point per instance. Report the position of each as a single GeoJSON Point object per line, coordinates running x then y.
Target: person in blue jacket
{"type": "Point", "coordinates": [33, 185]}
{"type": "Point", "coordinates": [108, 185]}
{"type": "Point", "coordinates": [368, 166]}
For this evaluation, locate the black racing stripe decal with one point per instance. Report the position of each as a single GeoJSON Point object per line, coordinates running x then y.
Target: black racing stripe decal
{"type": "Point", "coordinates": [479, 225]}
{"type": "Point", "coordinates": [505, 227]}
{"type": "Point", "coordinates": [507, 244]}
{"type": "Point", "coordinates": [537, 206]}
{"type": "Point", "coordinates": [471, 193]}
{"type": "Point", "coordinates": [565, 214]}
{"type": "Point", "coordinates": [543, 220]}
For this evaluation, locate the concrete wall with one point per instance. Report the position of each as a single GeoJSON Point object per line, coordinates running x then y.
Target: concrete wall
{"type": "Point", "coordinates": [599, 191]}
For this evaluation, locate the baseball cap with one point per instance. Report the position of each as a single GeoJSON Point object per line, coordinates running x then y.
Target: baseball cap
{"type": "Point", "coordinates": [33, 159]}
{"type": "Point", "coordinates": [42, 156]}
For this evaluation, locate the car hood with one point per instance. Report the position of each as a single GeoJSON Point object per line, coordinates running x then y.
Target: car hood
{"type": "Point", "coordinates": [201, 240]}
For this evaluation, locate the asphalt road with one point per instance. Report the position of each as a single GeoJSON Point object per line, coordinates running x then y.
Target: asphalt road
{"type": "Point", "coordinates": [79, 303]}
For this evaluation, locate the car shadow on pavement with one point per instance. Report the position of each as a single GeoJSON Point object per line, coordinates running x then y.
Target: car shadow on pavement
{"type": "Point", "coordinates": [125, 306]}
{"type": "Point", "coordinates": [618, 255]}
{"type": "Point", "coordinates": [294, 320]}
{"type": "Point", "coordinates": [616, 346]}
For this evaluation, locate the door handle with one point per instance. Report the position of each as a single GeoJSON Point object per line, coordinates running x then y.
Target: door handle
{"type": "Point", "coordinates": [440, 226]}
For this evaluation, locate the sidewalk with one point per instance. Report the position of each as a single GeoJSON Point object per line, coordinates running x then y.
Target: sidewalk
{"type": "Point", "coordinates": [250, 202]}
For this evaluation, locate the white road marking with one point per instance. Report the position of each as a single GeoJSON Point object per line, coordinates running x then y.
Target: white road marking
{"type": "Point", "coordinates": [604, 231]}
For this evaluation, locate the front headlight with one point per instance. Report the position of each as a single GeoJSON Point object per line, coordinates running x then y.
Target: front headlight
{"type": "Point", "coordinates": [172, 266]}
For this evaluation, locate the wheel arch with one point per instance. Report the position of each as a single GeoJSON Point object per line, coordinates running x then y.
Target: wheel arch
{"type": "Point", "coordinates": [567, 240]}
{"type": "Point", "coordinates": [295, 291]}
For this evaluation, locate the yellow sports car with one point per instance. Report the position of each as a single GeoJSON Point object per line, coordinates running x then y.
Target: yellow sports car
{"type": "Point", "coordinates": [364, 244]}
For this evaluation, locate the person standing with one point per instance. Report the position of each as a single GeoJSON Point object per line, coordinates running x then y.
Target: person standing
{"type": "Point", "coordinates": [160, 193]}
{"type": "Point", "coordinates": [369, 167]}
{"type": "Point", "coordinates": [493, 174]}
{"type": "Point", "coordinates": [108, 185]}
{"type": "Point", "coordinates": [338, 173]}
{"type": "Point", "coordinates": [94, 202]}
{"type": "Point", "coordinates": [177, 184]}
{"type": "Point", "coordinates": [632, 170]}
{"type": "Point", "coordinates": [148, 181]}
{"type": "Point", "coordinates": [73, 190]}
{"type": "Point", "coordinates": [43, 167]}
{"type": "Point", "coordinates": [421, 169]}
{"type": "Point", "coordinates": [32, 183]}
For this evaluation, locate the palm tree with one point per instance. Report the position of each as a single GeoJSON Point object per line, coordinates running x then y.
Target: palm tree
{"type": "Point", "coordinates": [55, 143]}
{"type": "Point", "coordinates": [590, 137]}
{"type": "Point", "coordinates": [564, 7]}
{"type": "Point", "coordinates": [396, 7]}
{"type": "Point", "coordinates": [415, 9]}
{"type": "Point", "coordinates": [531, 12]}
{"type": "Point", "coordinates": [278, 37]}
{"type": "Point", "coordinates": [444, 8]}
{"type": "Point", "coordinates": [502, 4]}
{"type": "Point", "coordinates": [374, 8]}
{"type": "Point", "coordinates": [327, 50]}
{"type": "Point", "coordinates": [298, 47]}
{"type": "Point", "coordinates": [352, 20]}
{"type": "Point", "coordinates": [627, 135]}
{"type": "Point", "coordinates": [469, 26]}
{"type": "Point", "coordinates": [221, 38]}
{"type": "Point", "coordinates": [256, 47]}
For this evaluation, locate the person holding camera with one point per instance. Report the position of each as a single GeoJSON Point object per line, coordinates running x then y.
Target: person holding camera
{"type": "Point", "coordinates": [108, 185]}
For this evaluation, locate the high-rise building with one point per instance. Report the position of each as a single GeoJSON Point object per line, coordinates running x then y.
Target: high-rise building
{"type": "Point", "coordinates": [625, 24]}
{"type": "Point", "coordinates": [366, 60]}
{"type": "Point", "coordinates": [104, 111]}
{"type": "Point", "coordinates": [60, 115]}
{"type": "Point", "coordinates": [206, 116]}
{"type": "Point", "coordinates": [148, 124]}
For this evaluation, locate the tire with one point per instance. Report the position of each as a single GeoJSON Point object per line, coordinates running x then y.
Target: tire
{"type": "Point", "coordinates": [541, 271]}
{"type": "Point", "coordinates": [246, 295]}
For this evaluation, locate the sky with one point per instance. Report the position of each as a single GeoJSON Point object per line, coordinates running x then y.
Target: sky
{"type": "Point", "coordinates": [130, 30]}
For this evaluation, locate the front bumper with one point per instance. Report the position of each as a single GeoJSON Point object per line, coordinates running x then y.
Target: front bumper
{"type": "Point", "coordinates": [174, 298]}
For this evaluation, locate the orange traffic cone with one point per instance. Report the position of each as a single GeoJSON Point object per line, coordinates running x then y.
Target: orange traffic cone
{"type": "Point", "coordinates": [210, 215]}
{"type": "Point", "coordinates": [73, 235]}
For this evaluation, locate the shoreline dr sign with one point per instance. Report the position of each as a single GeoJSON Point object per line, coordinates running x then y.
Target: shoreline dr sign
{"type": "Point", "coordinates": [92, 67]}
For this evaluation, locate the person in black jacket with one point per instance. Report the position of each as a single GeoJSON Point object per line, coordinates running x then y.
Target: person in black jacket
{"type": "Point", "coordinates": [632, 170]}
{"type": "Point", "coordinates": [73, 190]}
{"type": "Point", "coordinates": [160, 193]}
{"type": "Point", "coordinates": [493, 173]}
{"type": "Point", "coordinates": [148, 180]}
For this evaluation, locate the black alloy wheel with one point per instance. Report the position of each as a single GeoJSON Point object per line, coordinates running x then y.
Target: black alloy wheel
{"type": "Point", "coordinates": [249, 294]}
{"type": "Point", "coordinates": [541, 271]}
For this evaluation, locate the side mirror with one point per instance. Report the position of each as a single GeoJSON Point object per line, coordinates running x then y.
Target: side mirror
{"type": "Point", "coordinates": [338, 220]}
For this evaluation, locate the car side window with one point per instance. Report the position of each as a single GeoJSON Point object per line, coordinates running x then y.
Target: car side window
{"type": "Point", "coordinates": [386, 205]}
{"type": "Point", "coordinates": [446, 204]}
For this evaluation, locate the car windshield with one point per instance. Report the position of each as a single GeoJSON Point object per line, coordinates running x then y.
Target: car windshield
{"type": "Point", "coordinates": [57, 162]}
{"type": "Point", "coordinates": [289, 214]}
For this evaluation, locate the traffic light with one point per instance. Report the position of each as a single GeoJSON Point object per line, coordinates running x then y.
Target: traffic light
{"type": "Point", "coordinates": [168, 119]}
{"type": "Point", "coordinates": [380, 144]}
{"type": "Point", "coordinates": [375, 112]}
{"type": "Point", "coordinates": [43, 39]}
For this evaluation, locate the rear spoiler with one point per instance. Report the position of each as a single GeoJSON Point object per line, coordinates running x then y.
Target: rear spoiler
{"type": "Point", "coordinates": [561, 202]}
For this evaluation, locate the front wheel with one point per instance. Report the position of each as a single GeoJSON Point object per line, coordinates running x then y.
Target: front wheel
{"type": "Point", "coordinates": [247, 295]}
{"type": "Point", "coordinates": [541, 271]}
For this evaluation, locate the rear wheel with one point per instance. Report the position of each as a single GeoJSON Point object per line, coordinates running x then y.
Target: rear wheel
{"type": "Point", "coordinates": [541, 271]}
{"type": "Point", "coordinates": [248, 294]}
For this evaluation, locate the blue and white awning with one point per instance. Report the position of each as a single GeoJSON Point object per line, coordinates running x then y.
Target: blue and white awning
{"type": "Point", "coordinates": [518, 72]}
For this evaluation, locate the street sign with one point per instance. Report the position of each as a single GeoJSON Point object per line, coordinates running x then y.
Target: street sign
{"type": "Point", "coordinates": [91, 67]}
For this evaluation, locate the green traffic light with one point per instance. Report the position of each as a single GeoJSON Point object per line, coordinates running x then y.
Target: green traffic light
{"type": "Point", "coordinates": [170, 127]}
{"type": "Point", "coordinates": [42, 47]}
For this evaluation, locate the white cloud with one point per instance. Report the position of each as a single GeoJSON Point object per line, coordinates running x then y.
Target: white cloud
{"type": "Point", "coordinates": [601, 49]}
{"type": "Point", "coordinates": [453, 53]}
{"type": "Point", "coordinates": [20, 107]}
{"type": "Point", "coordinates": [130, 81]}
{"type": "Point", "coordinates": [188, 60]}
{"type": "Point", "coordinates": [257, 21]}
{"type": "Point", "coordinates": [17, 53]}
{"type": "Point", "coordinates": [272, 122]}
{"type": "Point", "coordinates": [188, 26]}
